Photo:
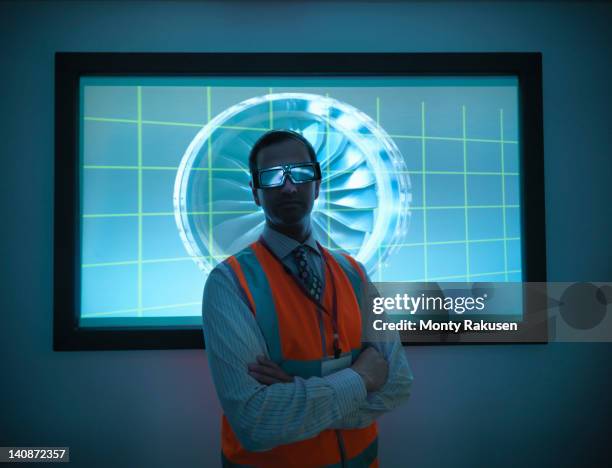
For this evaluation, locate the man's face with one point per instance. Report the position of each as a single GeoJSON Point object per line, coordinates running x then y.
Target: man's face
{"type": "Point", "coordinates": [289, 203]}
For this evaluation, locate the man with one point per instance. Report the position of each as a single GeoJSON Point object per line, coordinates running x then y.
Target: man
{"type": "Point", "coordinates": [283, 331]}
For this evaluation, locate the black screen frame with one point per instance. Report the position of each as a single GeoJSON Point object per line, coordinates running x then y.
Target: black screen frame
{"type": "Point", "coordinates": [71, 66]}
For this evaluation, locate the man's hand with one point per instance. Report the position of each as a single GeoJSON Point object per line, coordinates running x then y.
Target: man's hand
{"type": "Point", "coordinates": [267, 372]}
{"type": "Point", "coordinates": [372, 367]}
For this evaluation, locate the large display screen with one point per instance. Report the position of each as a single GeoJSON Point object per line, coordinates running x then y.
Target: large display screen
{"type": "Point", "coordinates": [421, 181]}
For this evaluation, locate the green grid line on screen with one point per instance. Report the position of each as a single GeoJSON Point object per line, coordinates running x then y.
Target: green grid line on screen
{"type": "Point", "coordinates": [459, 141]}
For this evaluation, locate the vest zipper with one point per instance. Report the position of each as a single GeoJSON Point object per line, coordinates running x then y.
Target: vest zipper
{"type": "Point", "coordinates": [341, 447]}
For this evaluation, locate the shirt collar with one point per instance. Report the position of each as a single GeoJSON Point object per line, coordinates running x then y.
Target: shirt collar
{"type": "Point", "coordinates": [283, 245]}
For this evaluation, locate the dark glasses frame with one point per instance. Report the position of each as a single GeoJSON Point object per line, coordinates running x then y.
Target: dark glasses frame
{"type": "Point", "coordinates": [286, 172]}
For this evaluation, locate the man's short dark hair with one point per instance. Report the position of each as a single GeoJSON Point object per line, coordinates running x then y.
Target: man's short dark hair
{"type": "Point", "coordinates": [276, 136]}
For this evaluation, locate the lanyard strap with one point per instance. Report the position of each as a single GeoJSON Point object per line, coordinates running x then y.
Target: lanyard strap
{"type": "Point", "coordinates": [334, 314]}
{"type": "Point", "coordinates": [334, 317]}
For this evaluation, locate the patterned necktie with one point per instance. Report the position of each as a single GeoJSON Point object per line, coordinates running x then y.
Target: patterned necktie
{"type": "Point", "coordinates": [309, 279]}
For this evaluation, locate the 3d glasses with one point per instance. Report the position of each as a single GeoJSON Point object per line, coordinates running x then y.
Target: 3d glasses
{"type": "Point", "coordinates": [300, 173]}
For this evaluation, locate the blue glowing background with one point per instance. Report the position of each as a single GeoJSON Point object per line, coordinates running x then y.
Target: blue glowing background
{"type": "Point", "coordinates": [458, 136]}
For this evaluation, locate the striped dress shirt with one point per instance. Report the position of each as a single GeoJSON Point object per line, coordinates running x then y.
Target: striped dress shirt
{"type": "Point", "coordinates": [262, 416]}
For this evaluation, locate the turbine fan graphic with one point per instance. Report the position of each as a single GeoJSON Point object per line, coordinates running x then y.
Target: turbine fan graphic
{"type": "Point", "coordinates": [364, 198]}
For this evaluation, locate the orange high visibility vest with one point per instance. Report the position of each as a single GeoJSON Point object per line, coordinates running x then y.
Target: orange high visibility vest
{"type": "Point", "coordinates": [290, 325]}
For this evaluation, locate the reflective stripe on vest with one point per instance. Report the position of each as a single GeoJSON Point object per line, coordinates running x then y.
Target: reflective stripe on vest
{"type": "Point", "coordinates": [299, 340]}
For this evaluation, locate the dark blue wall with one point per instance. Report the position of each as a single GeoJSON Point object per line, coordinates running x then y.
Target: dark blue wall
{"type": "Point", "coordinates": [471, 405]}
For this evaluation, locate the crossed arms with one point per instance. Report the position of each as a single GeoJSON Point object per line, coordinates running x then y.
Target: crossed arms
{"type": "Point", "coordinates": [265, 413]}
